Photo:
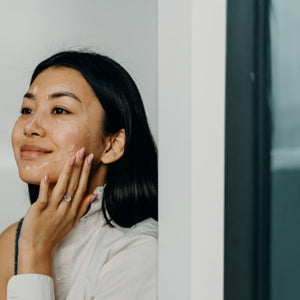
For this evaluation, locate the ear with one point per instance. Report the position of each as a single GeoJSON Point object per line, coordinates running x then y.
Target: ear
{"type": "Point", "coordinates": [114, 147]}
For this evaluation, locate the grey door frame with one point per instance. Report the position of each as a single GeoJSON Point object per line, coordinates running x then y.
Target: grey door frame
{"type": "Point", "coordinates": [247, 152]}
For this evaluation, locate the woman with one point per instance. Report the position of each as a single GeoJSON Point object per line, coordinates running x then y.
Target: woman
{"type": "Point", "coordinates": [83, 145]}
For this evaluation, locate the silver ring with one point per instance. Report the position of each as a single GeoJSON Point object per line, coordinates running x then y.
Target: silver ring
{"type": "Point", "coordinates": [67, 197]}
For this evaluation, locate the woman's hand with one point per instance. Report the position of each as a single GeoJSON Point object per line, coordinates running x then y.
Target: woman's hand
{"type": "Point", "coordinates": [51, 217]}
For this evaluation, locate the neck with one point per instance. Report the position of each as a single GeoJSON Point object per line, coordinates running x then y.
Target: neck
{"type": "Point", "coordinates": [97, 178]}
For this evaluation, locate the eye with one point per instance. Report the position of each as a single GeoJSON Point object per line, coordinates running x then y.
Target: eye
{"type": "Point", "coordinates": [26, 111]}
{"type": "Point", "coordinates": [59, 111]}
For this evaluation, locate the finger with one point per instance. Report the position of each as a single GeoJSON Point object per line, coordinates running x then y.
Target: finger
{"type": "Point", "coordinates": [62, 183]}
{"type": "Point", "coordinates": [84, 206]}
{"type": "Point", "coordinates": [83, 181]}
{"type": "Point", "coordinates": [74, 178]}
{"type": "Point", "coordinates": [42, 200]}
{"type": "Point", "coordinates": [64, 206]}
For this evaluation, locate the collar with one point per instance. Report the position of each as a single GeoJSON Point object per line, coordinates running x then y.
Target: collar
{"type": "Point", "coordinates": [96, 204]}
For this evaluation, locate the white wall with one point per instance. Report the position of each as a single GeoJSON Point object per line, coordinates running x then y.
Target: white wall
{"type": "Point", "coordinates": [191, 100]}
{"type": "Point", "coordinates": [34, 29]}
{"type": "Point", "coordinates": [174, 142]}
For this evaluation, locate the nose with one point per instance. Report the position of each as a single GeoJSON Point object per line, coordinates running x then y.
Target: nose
{"type": "Point", "coordinates": [35, 127]}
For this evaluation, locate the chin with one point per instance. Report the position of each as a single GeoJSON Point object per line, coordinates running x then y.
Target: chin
{"type": "Point", "coordinates": [30, 177]}
{"type": "Point", "coordinates": [34, 175]}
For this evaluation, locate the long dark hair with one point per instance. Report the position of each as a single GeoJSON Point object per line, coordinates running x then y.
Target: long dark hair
{"type": "Point", "coordinates": [130, 193]}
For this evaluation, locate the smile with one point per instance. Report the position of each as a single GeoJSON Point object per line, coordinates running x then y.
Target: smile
{"type": "Point", "coordinates": [33, 151]}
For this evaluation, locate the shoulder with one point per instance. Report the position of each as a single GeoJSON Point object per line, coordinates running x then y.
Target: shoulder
{"type": "Point", "coordinates": [7, 246]}
{"type": "Point", "coordinates": [140, 238]}
{"type": "Point", "coordinates": [147, 227]}
{"type": "Point", "coordinates": [121, 241]}
{"type": "Point", "coordinates": [132, 261]}
{"type": "Point", "coordinates": [8, 233]}
{"type": "Point", "coordinates": [7, 252]}
{"type": "Point", "coordinates": [122, 258]}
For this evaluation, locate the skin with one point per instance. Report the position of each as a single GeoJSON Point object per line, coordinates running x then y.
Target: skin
{"type": "Point", "coordinates": [62, 116]}
{"type": "Point", "coordinates": [45, 113]}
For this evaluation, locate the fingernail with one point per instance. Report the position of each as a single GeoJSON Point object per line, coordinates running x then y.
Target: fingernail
{"type": "Point", "coordinates": [93, 198]}
{"type": "Point", "coordinates": [81, 153]}
{"type": "Point", "coordinates": [90, 158]}
{"type": "Point", "coordinates": [46, 177]}
{"type": "Point", "coordinates": [72, 160]}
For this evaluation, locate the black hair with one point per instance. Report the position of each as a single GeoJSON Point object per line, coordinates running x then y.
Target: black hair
{"type": "Point", "coordinates": [130, 193]}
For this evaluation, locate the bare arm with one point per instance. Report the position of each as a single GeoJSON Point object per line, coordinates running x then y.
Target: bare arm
{"type": "Point", "coordinates": [7, 256]}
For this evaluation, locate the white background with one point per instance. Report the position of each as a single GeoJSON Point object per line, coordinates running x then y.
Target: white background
{"type": "Point", "coordinates": [33, 30]}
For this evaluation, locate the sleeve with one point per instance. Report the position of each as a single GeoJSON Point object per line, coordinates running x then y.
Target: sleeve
{"type": "Point", "coordinates": [30, 287]}
{"type": "Point", "coordinates": [130, 274]}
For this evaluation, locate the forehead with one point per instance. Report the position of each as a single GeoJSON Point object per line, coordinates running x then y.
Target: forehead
{"type": "Point", "coordinates": [55, 79]}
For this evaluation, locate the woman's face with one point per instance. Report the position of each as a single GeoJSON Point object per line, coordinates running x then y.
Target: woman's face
{"type": "Point", "coordinates": [60, 114]}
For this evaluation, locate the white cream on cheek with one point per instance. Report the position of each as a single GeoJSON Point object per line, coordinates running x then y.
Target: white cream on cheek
{"type": "Point", "coordinates": [64, 134]}
{"type": "Point", "coordinates": [28, 168]}
{"type": "Point", "coordinates": [69, 149]}
{"type": "Point", "coordinates": [71, 131]}
{"type": "Point", "coordinates": [77, 132]}
{"type": "Point", "coordinates": [67, 152]}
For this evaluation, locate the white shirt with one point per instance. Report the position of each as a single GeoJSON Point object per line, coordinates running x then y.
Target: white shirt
{"type": "Point", "coordinates": [97, 262]}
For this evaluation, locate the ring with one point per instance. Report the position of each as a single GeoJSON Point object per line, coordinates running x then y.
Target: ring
{"type": "Point", "coordinates": [67, 197]}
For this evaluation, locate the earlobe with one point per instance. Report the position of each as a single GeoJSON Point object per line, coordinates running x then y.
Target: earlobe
{"type": "Point", "coordinates": [115, 146]}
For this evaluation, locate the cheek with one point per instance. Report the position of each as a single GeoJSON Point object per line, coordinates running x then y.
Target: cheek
{"type": "Point", "coordinates": [16, 136]}
{"type": "Point", "coordinates": [70, 137]}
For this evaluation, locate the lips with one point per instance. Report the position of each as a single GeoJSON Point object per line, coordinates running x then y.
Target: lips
{"type": "Point", "coordinates": [33, 151]}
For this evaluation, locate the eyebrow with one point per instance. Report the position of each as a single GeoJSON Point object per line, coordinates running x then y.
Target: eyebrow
{"type": "Point", "coordinates": [55, 95]}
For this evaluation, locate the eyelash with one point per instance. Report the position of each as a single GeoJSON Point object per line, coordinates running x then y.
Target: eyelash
{"type": "Point", "coordinates": [61, 109]}
{"type": "Point", "coordinates": [28, 111]}
{"type": "Point", "coordinates": [24, 111]}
